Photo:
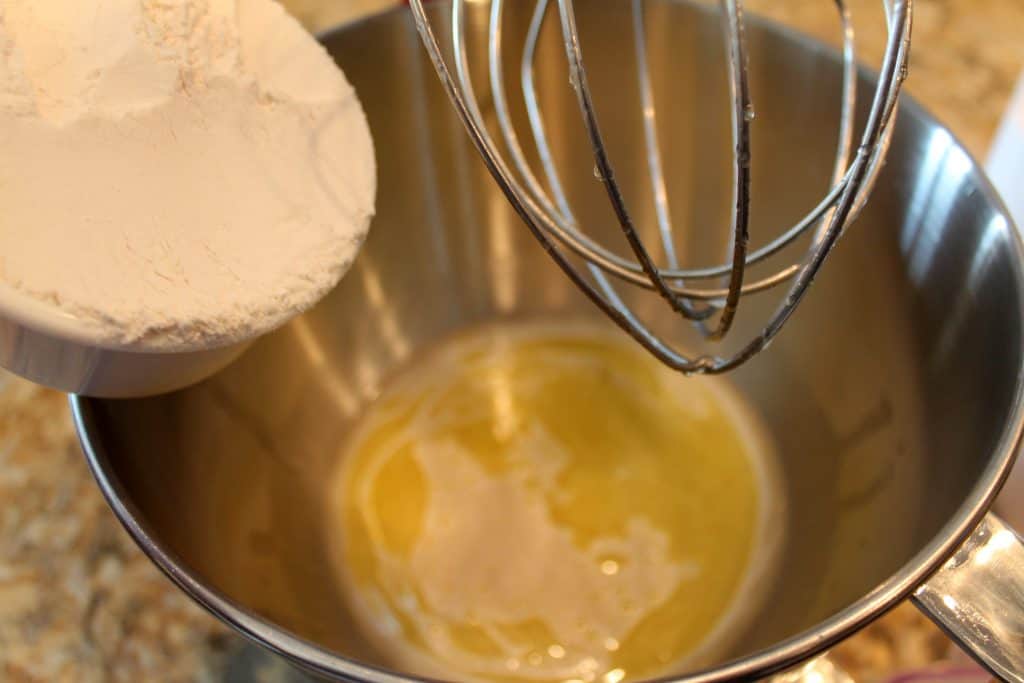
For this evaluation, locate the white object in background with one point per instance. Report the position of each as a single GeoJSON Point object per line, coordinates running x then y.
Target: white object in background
{"type": "Point", "coordinates": [818, 670]}
{"type": "Point", "coordinates": [1006, 170]}
{"type": "Point", "coordinates": [1006, 157]}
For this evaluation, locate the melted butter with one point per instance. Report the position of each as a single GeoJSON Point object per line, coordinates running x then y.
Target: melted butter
{"type": "Point", "coordinates": [550, 504]}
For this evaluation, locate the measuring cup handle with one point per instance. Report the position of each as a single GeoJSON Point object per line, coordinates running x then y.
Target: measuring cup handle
{"type": "Point", "coordinates": [977, 598]}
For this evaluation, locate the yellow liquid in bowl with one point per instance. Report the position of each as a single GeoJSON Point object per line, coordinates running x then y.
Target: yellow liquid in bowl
{"type": "Point", "coordinates": [545, 503]}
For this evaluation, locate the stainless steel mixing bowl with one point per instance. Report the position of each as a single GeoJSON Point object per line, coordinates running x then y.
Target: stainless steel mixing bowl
{"type": "Point", "coordinates": [894, 396]}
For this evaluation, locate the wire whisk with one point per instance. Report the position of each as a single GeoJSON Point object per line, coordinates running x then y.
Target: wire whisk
{"type": "Point", "coordinates": [707, 296]}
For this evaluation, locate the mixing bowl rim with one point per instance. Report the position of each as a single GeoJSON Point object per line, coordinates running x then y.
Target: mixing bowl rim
{"type": "Point", "coordinates": [772, 659]}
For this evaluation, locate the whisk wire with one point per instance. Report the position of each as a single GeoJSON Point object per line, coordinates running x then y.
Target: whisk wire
{"type": "Point", "coordinates": [659, 190]}
{"type": "Point", "coordinates": [550, 216]}
{"type": "Point", "coordinates": [567, 233]}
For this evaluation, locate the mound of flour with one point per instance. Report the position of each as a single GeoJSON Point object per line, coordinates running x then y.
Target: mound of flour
{"type": "Point", "coordinates": [176, 173]}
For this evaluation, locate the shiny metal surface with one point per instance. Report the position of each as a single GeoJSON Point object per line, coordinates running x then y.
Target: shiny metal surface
{"type": "Point", "coordinates": [549, 215]}
{"type": "Point", "coordinates": [978, 598]}
{"type": "Point", "coordinates": [893, 395]}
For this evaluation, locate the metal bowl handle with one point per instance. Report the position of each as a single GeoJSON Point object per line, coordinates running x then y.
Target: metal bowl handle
{"type": "Point", "coordinates": [977, 598]}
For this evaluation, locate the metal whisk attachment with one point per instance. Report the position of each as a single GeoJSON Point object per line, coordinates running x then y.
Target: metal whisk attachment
{"type": "Point", "coordinates": [707, 296]}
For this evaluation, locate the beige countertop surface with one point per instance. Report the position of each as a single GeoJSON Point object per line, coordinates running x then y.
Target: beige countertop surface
{"type": "Point", "coordinates": [79, 602]}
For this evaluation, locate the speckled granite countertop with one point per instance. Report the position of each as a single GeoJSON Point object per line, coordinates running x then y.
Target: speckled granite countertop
{"type": "Point", "coordinates": [79, 602]}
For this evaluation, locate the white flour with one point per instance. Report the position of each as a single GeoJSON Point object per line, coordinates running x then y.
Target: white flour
{"type": "Point", "coordinates": [176, 173]}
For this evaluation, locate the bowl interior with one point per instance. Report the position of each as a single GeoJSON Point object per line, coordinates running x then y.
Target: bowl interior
{"type": "Point", "coordinates": [887, 395]}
